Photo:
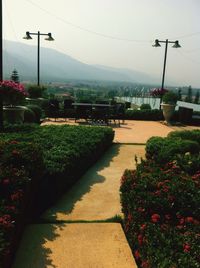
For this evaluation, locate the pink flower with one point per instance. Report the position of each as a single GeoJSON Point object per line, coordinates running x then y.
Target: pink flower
{"type": "Point", "coordinates": [158, 92]}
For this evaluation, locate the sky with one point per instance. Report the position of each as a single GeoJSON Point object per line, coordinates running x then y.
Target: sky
{"type": "Point", "coordinates": [115, 33]}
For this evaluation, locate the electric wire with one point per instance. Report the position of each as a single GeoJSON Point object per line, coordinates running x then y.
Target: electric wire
{"type": "Point", "coordinates": [85, 29]}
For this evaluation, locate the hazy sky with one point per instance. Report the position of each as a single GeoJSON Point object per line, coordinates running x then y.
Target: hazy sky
{"type": "Point", "coordinates": [117, 33]}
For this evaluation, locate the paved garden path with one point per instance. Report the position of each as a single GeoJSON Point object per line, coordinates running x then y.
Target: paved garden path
{"type": "Point", "coordinates": [84, 245]}
{"type": "Point", "coordinates": [96, 195]}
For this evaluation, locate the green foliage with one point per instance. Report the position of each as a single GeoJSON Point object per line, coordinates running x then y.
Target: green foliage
{"type": "Point", "coordinates": [63, 145]}
{"type": "Point", "coordinates": [20, 165]}
{"type": "Point", "coordinates": [36, 91]}
{"type": "Point", "coordinates": [166, 149]}
{"type": "Point", "coordinates": [188, 98]}
{"type": "Point", "coordinates": [193, 135]}
{"type": "Point", "coordinates": [37, 111]}
{"type": "Point", "coordinates": [151, 115]}
{"type": "Point", "coordinates": [145, 106]}
{"type": "Point", "coordinates": [170, 97]}
{"type": "Point", "coordinates": [162, 215]}
{"type": "Point", "coordinates": [196, 100]}
{"type": "Point", "coordinates": [29, 116]}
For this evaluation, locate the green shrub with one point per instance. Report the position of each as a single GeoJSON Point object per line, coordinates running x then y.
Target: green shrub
{"type": "Point", "coordinates": [29, 116]}
{"type": "Point", "coordinates": [37, 111]}
{"type": "Point", "coordinates": [162, 215]}
{"type": "Point", "coordinates": [145, 106]}
{"type": "Point", "coordinates": [36, 91]}
{"type": "Point", "coordinates": [21, 168]}
{"type": "Point", "coordinates": [37, 165]}
{"type": "Point", "coordinates": [166, 149]}
{"type": "Point", "coordinates": [151, 115]}
{"type": "Point", "coordinates": [193, 135]}
{"type": "Point", "coordinates": [170, 97]}
{"type": "Point", "coordinates": [18, 128]}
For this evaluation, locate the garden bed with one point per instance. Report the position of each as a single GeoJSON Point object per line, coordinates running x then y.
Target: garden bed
{"type": "Point", "coordinates": [37, 165]}
{"type": "Point", "coordinates": [160, 202]}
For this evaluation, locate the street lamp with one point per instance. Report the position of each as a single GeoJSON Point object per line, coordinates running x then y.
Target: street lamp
{"type": "Point", "coordinates": [49, 38]}
{"type": "Point", "coordinates": [157, 44]}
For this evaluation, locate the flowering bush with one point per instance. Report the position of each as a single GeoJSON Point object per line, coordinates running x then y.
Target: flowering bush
{"type": "Point", "coordinates": [158, 92]}
{"type": "Point", "coordinates": [162, 215]}
{"type": "Point", "coordinates": [12, 93]}
{"type": "Point", "coordinates": [19, 162]}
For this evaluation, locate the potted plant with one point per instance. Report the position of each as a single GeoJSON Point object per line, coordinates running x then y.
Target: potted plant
{"type": "Point", "coordinates": [158, 93]}
{"type": "Point", "coordinates": [12, 94]}
{"type": "Point", "coordinates": [168, 105]}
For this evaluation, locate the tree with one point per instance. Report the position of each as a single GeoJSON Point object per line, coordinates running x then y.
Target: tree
{"type": "Point", "coordinates": [196, 100]}
{"type": "Point", "coordinates": [179, 94]}
{"type": "Point", "coordinates": [189, 95]}
{"type": "Point", "coordinates": [15, 76]}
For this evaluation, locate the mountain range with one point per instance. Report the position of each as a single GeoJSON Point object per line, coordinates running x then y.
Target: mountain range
{"type": "Point", "coordinates": [59, 67]}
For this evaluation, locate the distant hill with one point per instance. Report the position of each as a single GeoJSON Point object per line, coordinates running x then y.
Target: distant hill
{"type": "Point", "coordinates": [57, 66]}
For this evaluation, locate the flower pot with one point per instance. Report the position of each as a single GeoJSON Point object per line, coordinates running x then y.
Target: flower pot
{"type": "Point", "coordinates": [14, 114]}
{"type": "Point", "coordinates": [168, 111]}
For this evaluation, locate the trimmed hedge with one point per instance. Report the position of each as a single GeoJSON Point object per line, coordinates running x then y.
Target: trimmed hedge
{"type": "Point", "coordinates": [37, 165]}
{"type": "Point", "coordinates": [64, 149]}
{"type": "Point", "coordinates": [162, 150]}
{"type": "Point", "coordinates": [150, 115]}
{"type": "Point", "coordinates": [193, 135]}
{"type": "Point", "coordinates": [21, 168]}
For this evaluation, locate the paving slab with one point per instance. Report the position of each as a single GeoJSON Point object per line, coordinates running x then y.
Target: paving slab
{"type": "Point", "coordinates": [89, 245]}
{"type": "Point", "coordinates": [96, 195]}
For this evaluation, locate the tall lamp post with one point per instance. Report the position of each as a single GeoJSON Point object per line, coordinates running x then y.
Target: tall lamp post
{"type": "Point", "coordinates": [49, 38]}
{"type": "Point", "coordinates": [157, 44]}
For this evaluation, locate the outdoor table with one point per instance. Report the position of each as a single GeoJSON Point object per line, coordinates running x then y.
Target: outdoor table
{"type": "Point", "coordinates": [95, 112]}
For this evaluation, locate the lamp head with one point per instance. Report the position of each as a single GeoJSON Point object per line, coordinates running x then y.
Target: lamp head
{"type": "Point", "coordinates": [157, 44]}
{"type": "Point", "coordinates": [27, 36]}
{"type": "Point", "coordinates": [49, 38]}
{"type": "Point", "coordinates": [176, 44]}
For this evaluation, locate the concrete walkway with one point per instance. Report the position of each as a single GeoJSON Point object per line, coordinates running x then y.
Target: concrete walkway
{"type": "Point", "coordinates": [96, 195]}
{"type": "Point", "coordinates": [83, 245]}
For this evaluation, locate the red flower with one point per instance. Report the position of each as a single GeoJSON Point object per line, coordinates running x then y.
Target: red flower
{"type": "Point", "coordinates": [14, 142]}
{"type": "Point", "coordinates": [168, 217]}
{"type": "Point", "coordinates": [15, 152]}
{"type": "Point", "coordinates": [155, 218]}
{"type": "Point", "coordinates": [140, 239]}
{"type": "Point", "coordinates": [145, 264]}
{"type": "Point", "coordinates": [189, 219]}
{"type": "Point", "coordinates": [137, 254]}
{"type": "Point", "coordinates": [142, 227]}
{"type": "Point", "coordinates": [186, 247]}
{"type": "Point", "coordinates": [17, 195]}
{"type": "Point", "coordinates": [5, 181]}
{"type": "Point", "coordinates": [140, 209]}
{"type": "Point", "coordinates": [130, 217]}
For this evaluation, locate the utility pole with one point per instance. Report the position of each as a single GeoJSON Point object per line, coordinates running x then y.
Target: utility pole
{"type": "Point", "coordinates": [1, 63]}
